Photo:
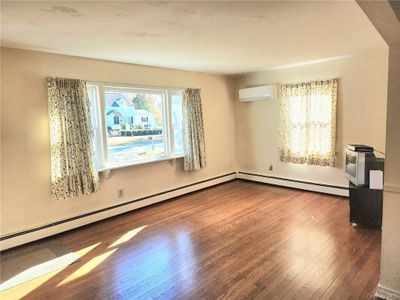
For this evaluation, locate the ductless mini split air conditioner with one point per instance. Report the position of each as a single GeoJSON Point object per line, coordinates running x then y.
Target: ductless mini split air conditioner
{"type": "Point", "coordinates": [264, 92]}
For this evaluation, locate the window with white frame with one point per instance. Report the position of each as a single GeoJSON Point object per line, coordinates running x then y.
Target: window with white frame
{"type": "Point", "coordinates": [133, 125]}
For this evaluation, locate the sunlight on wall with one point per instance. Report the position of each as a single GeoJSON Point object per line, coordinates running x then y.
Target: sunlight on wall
{"type": "Point", "coordinates": [127, 236]}
{"type": "Point", "coordinates": [305, 63]}
{"type": "Point", "coordinates": [88, 267]}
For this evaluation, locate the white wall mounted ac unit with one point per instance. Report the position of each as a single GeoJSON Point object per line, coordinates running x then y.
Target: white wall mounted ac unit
{"type": "Point", "coordinates": [264, 92]}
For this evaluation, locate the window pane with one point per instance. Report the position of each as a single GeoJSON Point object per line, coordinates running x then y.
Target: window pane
{"type": "Point", "coordinates": [93, 95]}
{"type": "Point", "coordinates": [177, 130]}
{"type": "Point", "coordinates": [135, 126]}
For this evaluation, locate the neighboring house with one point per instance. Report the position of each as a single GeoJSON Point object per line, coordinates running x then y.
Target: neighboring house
{"type": "Point", "coordinates": [144, 118]}
{"type": "Point", "coordinates": [121, 113]}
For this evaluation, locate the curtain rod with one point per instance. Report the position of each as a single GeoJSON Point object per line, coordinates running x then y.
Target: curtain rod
{"type": "Point", "coordinates": [291, 82]}
{"type": "Point", "coordinates": [313, 80]}
{"type": "Point", "coordinates": [121, 84]}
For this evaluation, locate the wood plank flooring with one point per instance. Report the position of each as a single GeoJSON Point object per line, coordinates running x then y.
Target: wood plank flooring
{"type": "Point", "coordinates": [238, 240]}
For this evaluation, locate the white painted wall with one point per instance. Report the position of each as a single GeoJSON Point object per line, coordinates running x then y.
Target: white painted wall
{"type": "Point", "coordinates": [390, 255]}
{"type": "Point", "coordinates": [383, 16]}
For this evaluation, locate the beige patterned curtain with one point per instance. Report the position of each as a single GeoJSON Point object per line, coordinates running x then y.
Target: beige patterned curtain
{"type": "Point", "coordinates": [308, 123]}
{"type": "Point", "coordinates": [72, 166]}
{"type": "Point", "coordinates": [195, 152]}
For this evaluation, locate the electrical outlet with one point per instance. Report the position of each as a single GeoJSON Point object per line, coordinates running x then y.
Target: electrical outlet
{"type": "Point", "coordinates": [270, 167]}
{"type": "Point", "coordinates": [120, 193]}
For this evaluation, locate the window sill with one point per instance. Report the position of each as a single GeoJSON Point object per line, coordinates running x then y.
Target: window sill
{"type": "Point", "coordinates": [142, 162]}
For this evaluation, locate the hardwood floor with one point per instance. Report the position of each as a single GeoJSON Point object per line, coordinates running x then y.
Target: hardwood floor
{"type": "Point", "coordinates": [238, 240]}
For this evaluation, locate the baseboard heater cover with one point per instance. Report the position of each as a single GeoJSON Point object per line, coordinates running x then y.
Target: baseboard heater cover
{"type": "Point", "coordinates": [33, 234]}
{"type": "Point", "coordinates": [383, 292]}
{"type": "Point", "coordinates": [297, 184]}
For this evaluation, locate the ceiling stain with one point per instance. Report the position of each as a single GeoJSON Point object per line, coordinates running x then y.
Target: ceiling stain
{"type": "Point", "coordinates": [263, 18]}
{"type": "Point", "coordinates": [260, 17]}
{"type": "Point", "coordinates": [184, 12]}
{"type": "Point", "coordinates": [157, 3]}
{"type": "Point", "coordinates": [65, 10]}
{"type": "Point", "coordinates": [149, 35]}
{"type": "Point", "coordinates": [173, 23]}
{"type": "Point", "coordinates": [35, 24]}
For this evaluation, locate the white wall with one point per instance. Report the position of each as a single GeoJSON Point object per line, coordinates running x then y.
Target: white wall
{"type": "Point", "coordinates": [361, 115]}
{"type": "Point", "coordinates": [390, 255]}
{"type": "Point", "coordinates": [383, 16]}
{"type": "Point", "coordinates": [25, 168]}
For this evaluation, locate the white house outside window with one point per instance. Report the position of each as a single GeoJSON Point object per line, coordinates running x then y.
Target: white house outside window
{"type": "Point", "coordinates": [135, 124]}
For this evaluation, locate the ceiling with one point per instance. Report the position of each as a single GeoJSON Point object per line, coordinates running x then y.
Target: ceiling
{"type": "Point", "coordinates": [216, 37]}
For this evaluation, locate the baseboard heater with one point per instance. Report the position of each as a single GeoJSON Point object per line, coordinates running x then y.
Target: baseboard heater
{"type": "Point", "coordinates": [297, 184]}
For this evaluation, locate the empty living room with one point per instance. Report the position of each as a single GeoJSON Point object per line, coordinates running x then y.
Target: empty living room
{"type": "Point", "coordinates": [200, 150]}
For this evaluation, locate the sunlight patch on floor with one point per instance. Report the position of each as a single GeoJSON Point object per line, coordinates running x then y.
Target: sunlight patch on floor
{"type": "Point", "coordinates": [84, 251]}
{"type": "Point", "coordinates": [88, 267]}
{"type": "Point", "coordinates": [25, 288]}
{"type": "Point", "coordinates": [127, 236]}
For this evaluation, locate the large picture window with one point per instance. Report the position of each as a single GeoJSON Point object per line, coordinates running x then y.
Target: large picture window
{"type": "Point", "coordinates": [135, 125]}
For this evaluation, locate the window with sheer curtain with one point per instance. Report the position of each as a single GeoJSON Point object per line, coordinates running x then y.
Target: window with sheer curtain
{"type": "Point", "coordinates": [308, 123]}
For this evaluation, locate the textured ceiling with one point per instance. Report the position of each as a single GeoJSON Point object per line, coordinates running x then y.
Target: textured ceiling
{"type": "Point", "coordinates": [218, 37]}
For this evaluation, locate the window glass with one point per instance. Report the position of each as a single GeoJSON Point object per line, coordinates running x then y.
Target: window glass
{"type": "Point", "coordinates": [177, 125]}
{"type": "Point", "coordinates": [93, 95]}
{"type": "Point", "coordinates": [135, 125]}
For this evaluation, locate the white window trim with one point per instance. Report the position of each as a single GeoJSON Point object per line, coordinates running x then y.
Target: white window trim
{"type": "Point", "coordinates": [102, 154]}
{"type": "Point", "coordinates": [141, 162]}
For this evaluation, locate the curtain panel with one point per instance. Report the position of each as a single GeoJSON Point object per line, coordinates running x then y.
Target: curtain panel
{"type": "Point", "coordinates": [72, 166]}
{"type": "Point", "coordinates": [308, 123]}
{"type": "Point", "coordinates": [193, 131]}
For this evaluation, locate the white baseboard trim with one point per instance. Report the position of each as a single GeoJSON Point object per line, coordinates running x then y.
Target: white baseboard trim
{"type": "Point", "coordinates": [386, 293]}
{"type": "Point", "coordinates": [33, 234]}
{"type": "Point", "coordinates": [309, 186]}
